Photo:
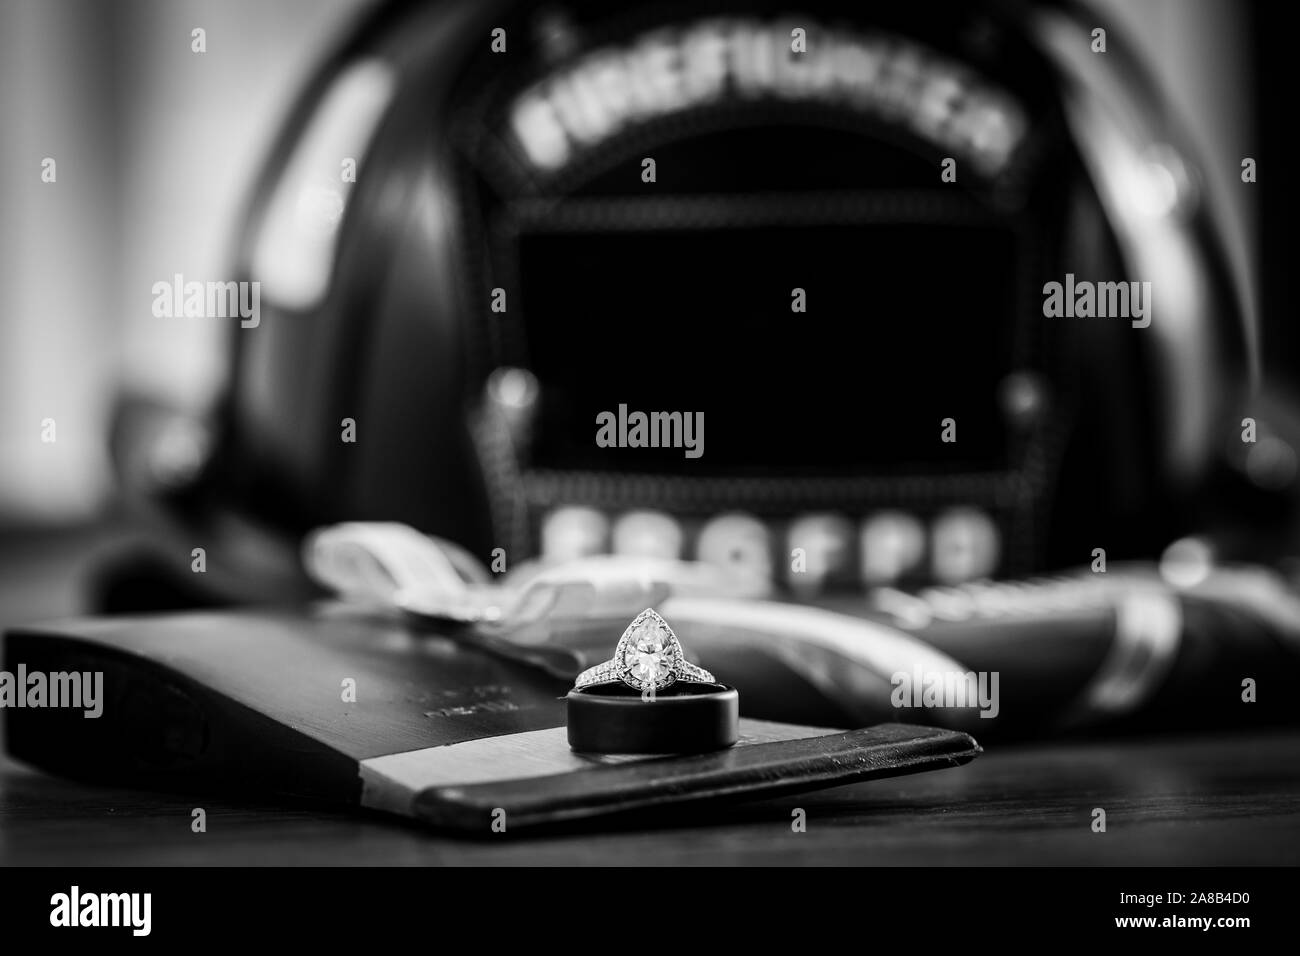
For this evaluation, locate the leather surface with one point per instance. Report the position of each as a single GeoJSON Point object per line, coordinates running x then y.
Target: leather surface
{"type": "Point", "coordinates": [743, 772]}
{"type": "Point", "coordinates": [253, 702]}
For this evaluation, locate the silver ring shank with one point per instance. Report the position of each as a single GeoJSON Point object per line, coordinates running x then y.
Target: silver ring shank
{"type": "Point", "coordinates": [610, 672]}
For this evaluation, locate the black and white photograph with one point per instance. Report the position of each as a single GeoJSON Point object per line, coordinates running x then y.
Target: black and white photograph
{"type": "Point", "coordinates": [513, 434]}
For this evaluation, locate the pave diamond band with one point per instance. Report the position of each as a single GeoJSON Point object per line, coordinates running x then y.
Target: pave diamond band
{"type": "Point", "coordinates": [648, 656]}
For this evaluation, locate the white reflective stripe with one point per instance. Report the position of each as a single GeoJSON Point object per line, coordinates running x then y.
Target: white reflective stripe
{"type": "Point", "coordinates": [573, 532]}
{"type": "Point", "coordinates": [1121, 146]}
{"type": "Point", "coordinates": [1148, 632]}
{"type": "Point", "coordinates": [964, 545]}
{"type": "Point", "coordinates": [390, 783]}
{"type": "Point", "coordinates": [827, 544]}
{"type": "Point", "coordinates": [293, 255]}
{"type": "Point", "coordinates": [869, 643]}
{"type": "Point", "coordinates": [651, 534]}
{"type": "Point", "coordinates": [741, 544]}
{"type": "Point", "coordinates": [891, 543]}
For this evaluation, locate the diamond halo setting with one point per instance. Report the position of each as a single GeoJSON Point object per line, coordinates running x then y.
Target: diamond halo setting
{"type": "Point", "coordinates": [649, 653]}
{"type": "Point", "coordinates": [648, 657]}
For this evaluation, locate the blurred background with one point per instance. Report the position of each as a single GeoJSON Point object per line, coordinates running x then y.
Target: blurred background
{"type": "Point", "coordinates": [155, 148]}
{"type": "Point", "coordinates": [156, 145]}
{"type": "Point", "coordinates": [127, 158]}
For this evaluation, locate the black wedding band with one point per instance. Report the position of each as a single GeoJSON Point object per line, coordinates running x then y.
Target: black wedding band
{"type": "Point", "coordinates": [686, 718]}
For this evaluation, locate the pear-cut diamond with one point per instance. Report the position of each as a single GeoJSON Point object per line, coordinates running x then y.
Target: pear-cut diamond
{"type": "Point", "coordinates": [649, 654]}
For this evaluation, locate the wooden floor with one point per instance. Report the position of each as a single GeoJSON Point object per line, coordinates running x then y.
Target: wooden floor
{"type": "Point", "coordinates": [1174, 801]}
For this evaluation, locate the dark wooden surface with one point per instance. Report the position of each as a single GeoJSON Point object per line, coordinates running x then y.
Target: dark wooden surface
{"type": "Point", "coordinates": [1203, 800]}
{"type": "Point", "coordinates": [1229, 799]}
